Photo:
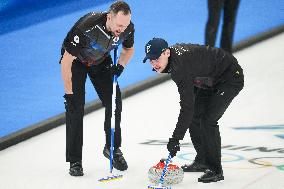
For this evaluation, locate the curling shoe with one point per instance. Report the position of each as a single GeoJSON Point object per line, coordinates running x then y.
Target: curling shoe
{"type": "Point", "coordinates": [211, 176]}
{"type": "Point", "coordinates": [118, 160]}
{"type": "Point", "coordinates": [194, 167]}
{"type": "Point", "coordinates": [76, 169]}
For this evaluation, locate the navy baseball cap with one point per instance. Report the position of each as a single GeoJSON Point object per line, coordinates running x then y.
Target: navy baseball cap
{"type": "Point", "coordinates": [154, 48]}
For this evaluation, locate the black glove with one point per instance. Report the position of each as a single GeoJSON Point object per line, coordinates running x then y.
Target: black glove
{"type": "Point", "coordinates": [117, 69]}
{"type": "Point", "coordinates": [69, 103]}
{"type": "Point", "coordinates": [173, 146]}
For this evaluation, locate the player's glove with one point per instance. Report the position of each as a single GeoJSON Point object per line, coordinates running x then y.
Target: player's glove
{"type": "Point", "coordinates": [173, 146]}
{"type": "Point", "coordinates": [69, 103]}
{"type": "Point", "coordinates": [117, 69]}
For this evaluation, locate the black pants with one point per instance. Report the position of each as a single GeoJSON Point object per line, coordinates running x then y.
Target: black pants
{"type": "Point", "coordinates": [101, 79]}
{"type": "Point", "coordinates": [210, 105]}
{"type": "Point", "coordinates": [230, 12]}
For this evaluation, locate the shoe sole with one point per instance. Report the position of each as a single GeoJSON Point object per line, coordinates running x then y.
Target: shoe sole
{"type": "Point", "coordinates": [193, 171]}
{"type": "Point", "coordinates": [76, 175]}
{"type": "Point", "coordinates": [208, 181]}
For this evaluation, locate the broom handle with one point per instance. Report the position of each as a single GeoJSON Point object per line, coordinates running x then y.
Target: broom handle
{"type": "Point", "coordinates": [165, 169]}
{"type": "Point", "coordinates": [113, 106]}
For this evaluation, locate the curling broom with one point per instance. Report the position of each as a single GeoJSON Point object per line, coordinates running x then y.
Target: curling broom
{"type": "Point", "coordinates": [112, 176]}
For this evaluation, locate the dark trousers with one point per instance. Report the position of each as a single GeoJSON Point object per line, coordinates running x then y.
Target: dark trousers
{"type": "Point", "coordinates": [101, 79]}
{"type": "Point", "coordinates": [230, 8]}
{"type": "Point", "coordinates": [210, 105]}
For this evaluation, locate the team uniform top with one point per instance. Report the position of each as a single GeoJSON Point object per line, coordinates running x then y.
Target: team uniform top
{"type": "Point", "coordinates": [90, 41]}
{"type": "Point", "coordinates": [187, 63]}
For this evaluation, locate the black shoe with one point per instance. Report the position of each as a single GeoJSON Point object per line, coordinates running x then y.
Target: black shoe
{"type": "Point", "coordinates": [194, 167]}
{"type": "Point", "coordinates": [118, 160]}
{"type": "Point", "coordinates": [76, 169]}
{"type": "Point", "coordinates": [211, 176]}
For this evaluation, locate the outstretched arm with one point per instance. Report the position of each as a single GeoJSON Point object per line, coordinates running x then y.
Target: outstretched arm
{"type": "Point", "coordinates": [186, 91]}
{"type": "Point", "coordinates": [66, 64]}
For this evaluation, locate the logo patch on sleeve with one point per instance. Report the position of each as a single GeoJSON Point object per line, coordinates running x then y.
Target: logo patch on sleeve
{"type": "Point", "coordinates": [76, 39]}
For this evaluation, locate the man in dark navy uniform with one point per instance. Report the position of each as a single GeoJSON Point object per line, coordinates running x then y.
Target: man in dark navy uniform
{"type": "Point", "coordinates": [86, 52]}
{"type": "Point", "coordinates": [208, 79]}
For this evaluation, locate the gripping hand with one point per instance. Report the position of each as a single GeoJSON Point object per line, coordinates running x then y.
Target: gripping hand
{"type": "Point", "coordinates": [173, 146]}
{"type": "Point", "coordinates": [117, 69]}
{"type": "Point", "coordinates": [69, 103]}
